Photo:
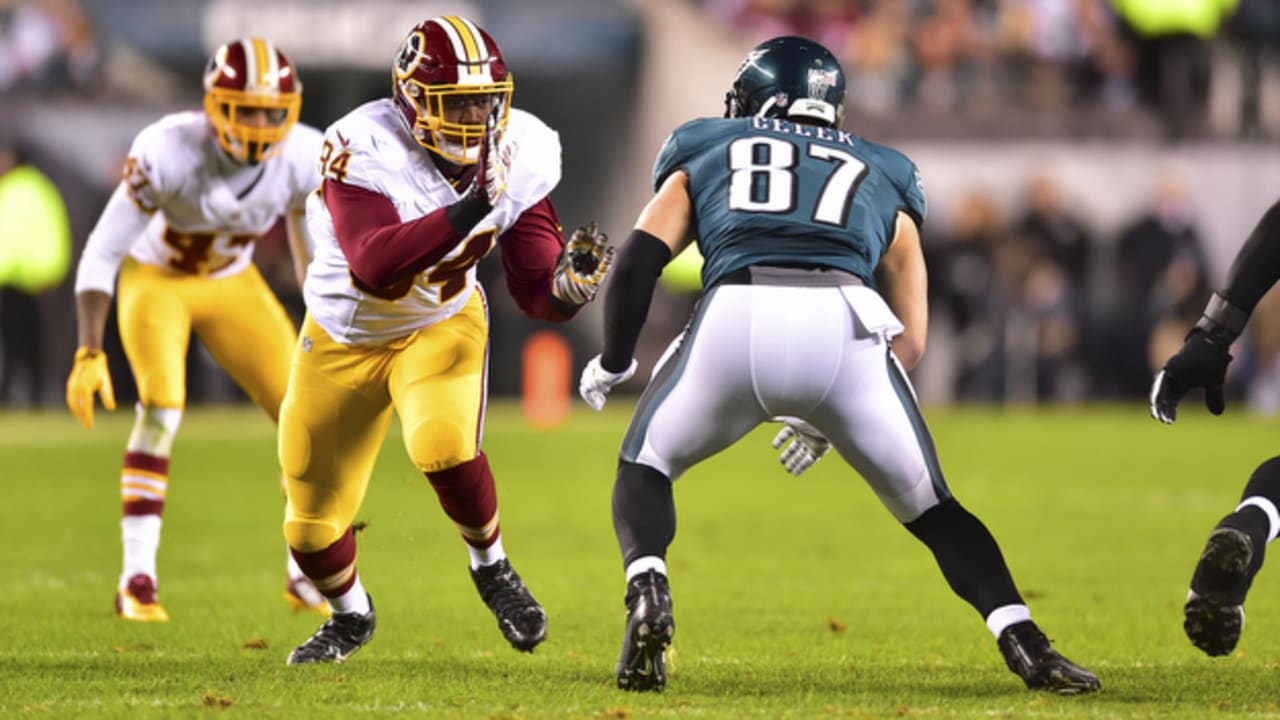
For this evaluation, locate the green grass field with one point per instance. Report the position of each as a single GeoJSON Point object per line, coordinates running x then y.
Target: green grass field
{"type": "Point", "coordinates": [794, 597]}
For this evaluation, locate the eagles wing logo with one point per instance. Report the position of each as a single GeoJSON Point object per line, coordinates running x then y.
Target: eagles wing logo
{"type": "Point", "coordinates": [750, 62]}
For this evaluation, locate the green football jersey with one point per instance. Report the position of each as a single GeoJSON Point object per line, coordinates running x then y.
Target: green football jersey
{"type": "Point", "coordinates": [773, 192]}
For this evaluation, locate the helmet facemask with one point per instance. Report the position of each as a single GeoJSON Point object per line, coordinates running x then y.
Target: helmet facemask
{"type": "Point", "coordinates": [251, 127]}
{"type": "Point", "coordinates": [456, 142]}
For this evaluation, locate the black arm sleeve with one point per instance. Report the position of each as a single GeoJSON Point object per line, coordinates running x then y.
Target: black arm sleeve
{"type": "Point", "coordinates": [1257, 265]}
{"type": "Point", "coordinates": [1254, 270]}
{"type": "Point", "coordinates": [626, 301]}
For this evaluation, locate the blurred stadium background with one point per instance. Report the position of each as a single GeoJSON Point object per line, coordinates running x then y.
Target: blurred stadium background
{"type": "Point", "coordinates": [1091, 165]}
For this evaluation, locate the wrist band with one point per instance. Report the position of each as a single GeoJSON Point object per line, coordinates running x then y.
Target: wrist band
{"type": "Point", "coordinates": [1225, 314]}
{"type": "Point", "coordinates": [1221, 320]}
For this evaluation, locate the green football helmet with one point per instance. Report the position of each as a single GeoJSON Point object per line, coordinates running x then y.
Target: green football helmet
{"type": "Point", "coordinates": [788, 77]}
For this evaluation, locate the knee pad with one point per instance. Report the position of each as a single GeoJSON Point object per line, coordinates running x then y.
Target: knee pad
{"type": "Point", "coordinates": [154, 429]}
{"type": "Point", "coordinates": [435, 445]}
{"type": "Point", "coordinates": [308, 536]}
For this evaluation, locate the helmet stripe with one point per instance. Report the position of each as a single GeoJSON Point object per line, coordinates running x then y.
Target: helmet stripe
{"type": "Point", "coordinates": [455, 40]}
{"type": "Point", "coordinates": [262, 58]}
{"type": "Point", "coordinates": [252, 64]}
{"type": "Point", "coordinates": [469, 36]}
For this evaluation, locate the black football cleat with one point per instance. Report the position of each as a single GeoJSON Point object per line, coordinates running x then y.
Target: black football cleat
{"type": "Point", "coordinates": [337, 639]}
{"type": "Point", "coordinates": [1214, 614]}
{"type": "Point", "coordinates": [1029, 655]}
{"type": "Point", "coordinates": [520, 618]}
{"type": "Point", "coordinates": [650, 628]}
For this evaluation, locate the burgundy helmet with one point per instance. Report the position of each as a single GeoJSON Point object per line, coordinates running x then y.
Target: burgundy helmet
{"type": "Point", "coordinates": [252, 97]}
{"type": "Point", "coordinates": [446, 60]}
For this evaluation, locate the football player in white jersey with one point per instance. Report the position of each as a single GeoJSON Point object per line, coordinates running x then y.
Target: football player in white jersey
{"type": "Point", "coordinates": [418, 188]}
{"type": "Point", "coordinates": [198, 188]}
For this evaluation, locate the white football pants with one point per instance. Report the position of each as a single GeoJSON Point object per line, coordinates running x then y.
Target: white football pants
{"type": "Point", "coordinates": [753, 352]}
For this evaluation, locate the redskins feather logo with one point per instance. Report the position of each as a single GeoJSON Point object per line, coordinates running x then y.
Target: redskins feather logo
{"type": "Point", "coordinates": [411, 52]}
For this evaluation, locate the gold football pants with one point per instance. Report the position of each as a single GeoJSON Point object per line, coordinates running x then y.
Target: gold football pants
{"type": "Point", "coordinates": [339, 403]}
{"type": "Point", "coordinates": [238, 319]}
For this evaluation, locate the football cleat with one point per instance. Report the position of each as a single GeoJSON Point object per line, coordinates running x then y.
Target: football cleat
{"type": "Point", "coordinates": [650, 628]}
{"type": "Point", "coordinates": [1213, 617]}
{"type": "Point", "coordinates": [138, 602]}
{"type": "Point", "coordinates": [301, 595]}
{"type": "Point", "coordinates": [520, 617]}
{"type": "Point", "coordinates": [1028, 654]}
{"type": "Point", "coordinates": [337, 639]}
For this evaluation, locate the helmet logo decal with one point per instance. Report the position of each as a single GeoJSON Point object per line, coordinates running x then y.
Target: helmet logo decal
{"type": "Point", "coordinates": [411, 52]}
{"type": "Point", "coordinates": [821, 81]}
{"type": "Point", "coordinates": [750, 62]}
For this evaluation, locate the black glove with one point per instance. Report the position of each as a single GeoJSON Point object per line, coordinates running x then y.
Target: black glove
{"type": "Point", "coordinates": [1201, 363]}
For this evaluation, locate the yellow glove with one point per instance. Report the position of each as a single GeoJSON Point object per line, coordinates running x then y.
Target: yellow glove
{"type": "Point", "coordinates": [583, 265]}
{"type": "Point", "coordinates": [89, 376]}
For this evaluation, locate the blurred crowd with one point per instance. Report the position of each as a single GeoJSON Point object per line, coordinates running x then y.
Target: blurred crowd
{"type": "Point", "coordinates": [1039, 306]}
{"type": "Point", "coordinates": [1030, 304]}
{"type": "Point", "coordinates": [1043, 57]}
{"type": "Point", "coordinates": [48, 47]}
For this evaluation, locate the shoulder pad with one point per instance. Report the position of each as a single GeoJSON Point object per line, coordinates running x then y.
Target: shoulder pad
{"type": "Point", "coordinates": [904, 175]}
{"type": "Point", "coordinates": [162, 154]}
{"type": "Point", "coordinates": [537, 168]}
{"type": "Point", "coordinates": [364, 148]}
{"type": "Point", "coordinates": [675, 150]}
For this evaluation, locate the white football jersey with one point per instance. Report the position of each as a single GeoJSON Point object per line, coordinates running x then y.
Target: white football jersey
{"type": "Point", "coordinates": [371, 149]}
{"type": "Point", "coordinates": [185, 206]}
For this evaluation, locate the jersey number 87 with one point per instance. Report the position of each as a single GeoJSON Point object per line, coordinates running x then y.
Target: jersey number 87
{"type": "Point", "coordinates": [764, 178]}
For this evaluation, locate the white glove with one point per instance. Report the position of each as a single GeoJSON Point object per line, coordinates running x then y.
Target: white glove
{"type": "Point", "coordinates": [807, 447]}
{"type": "Point", "coordinates": [596, 382]}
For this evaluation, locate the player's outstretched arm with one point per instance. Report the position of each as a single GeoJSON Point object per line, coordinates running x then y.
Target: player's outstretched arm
{"type": "Point", "coordinates": [661, 231]}
{"type": "Point", "coordinates": [1203, 359]}
{"type": "Point", "coordinates": [123, 220]}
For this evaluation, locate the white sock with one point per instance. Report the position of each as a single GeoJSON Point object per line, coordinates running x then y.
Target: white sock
{"type": "Point", "coordinates": [291, 568]}
{"type": "Point", "coordinates": [1006, 615]}
{"type": "Point", "coordinates": [1269, 509]}
{"type": "Point", "coordinates": [354, 600]}
{"type": "Point", "coordinates": [486, 556]}
{"type": "Point", "coordinates": [140, 536]}
{"type": "Point", "coordinates": [645, 564]}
